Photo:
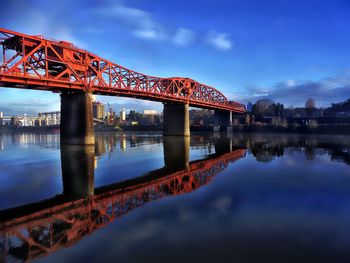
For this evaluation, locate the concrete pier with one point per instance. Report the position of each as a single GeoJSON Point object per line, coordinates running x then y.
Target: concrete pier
{"type": "Point", "coordinates": [76, 118]}
{"type": "Point", "coordinates": [176, 119]}
{"type": "Point", "coordinates": [223, 119]}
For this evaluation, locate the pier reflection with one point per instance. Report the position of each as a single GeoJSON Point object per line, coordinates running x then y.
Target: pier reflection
{"type": "Point", "coordinates": [37, 229]}
{"type": "Point", "coordinates": [77, 162]}
{"type": "Point", "coordinates": [176, 152]}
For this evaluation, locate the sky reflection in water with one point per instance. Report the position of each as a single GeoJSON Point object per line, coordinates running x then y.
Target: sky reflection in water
{"type": "Point", "coordinates": [286, 198]}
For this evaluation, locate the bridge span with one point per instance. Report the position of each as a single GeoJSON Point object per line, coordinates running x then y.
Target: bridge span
{"type": "Point", "coordinates": [34, 62]}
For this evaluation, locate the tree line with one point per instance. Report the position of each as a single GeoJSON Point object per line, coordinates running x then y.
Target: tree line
{"type": "Point", "coordinates": [268, 108]}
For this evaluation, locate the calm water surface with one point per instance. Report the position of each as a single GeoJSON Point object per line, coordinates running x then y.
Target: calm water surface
{"type": "Point", "coordinates": [144, 198]}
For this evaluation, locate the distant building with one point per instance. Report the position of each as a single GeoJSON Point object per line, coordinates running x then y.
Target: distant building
{"type": "Point", "coordinates": [1, 115]}
{"type": "Point", "coordinates": [98, 110]}
{"type": "Point", "coordinates": [15, 121]}
{"type": "Point", "coordinates": [48, 118]}
{"type": "Point", "coordinates": [111, 119]}
{"type": "Point", "coordinates": [123, 115]}
{"type": "Point", "coordinates": [150, 112]}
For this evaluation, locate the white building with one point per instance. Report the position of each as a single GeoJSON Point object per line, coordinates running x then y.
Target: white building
{"type": "Point", "coordinates": [122, 115]}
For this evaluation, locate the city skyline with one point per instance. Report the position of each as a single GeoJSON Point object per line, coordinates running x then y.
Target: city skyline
{"type": "Point", "coordinates": [280, 50]}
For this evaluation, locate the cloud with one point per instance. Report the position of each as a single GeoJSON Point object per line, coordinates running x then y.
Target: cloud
{"type": "Point", "coordinates": [220, 41]}
{"type": "Point", "coordinates": [144, 25]}
{"type": "Point", "coordinates": [141, 23]}
{"type": "Point", "coordinates": [184, 37]}
{"type": "Point", "coordinates": [30, 101]}
{"type": "Point", "coordinates": [38, 21]}
{"type": "Point", "coordinates": [148, 34]}
{"type": "Point", "coordinates": [294, 92]}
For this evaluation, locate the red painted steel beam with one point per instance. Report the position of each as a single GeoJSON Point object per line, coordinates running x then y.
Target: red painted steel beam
{"type": "Point", "coordinates": [35, 62]}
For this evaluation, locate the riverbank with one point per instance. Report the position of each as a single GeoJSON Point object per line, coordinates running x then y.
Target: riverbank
{"type": "Point", "coordinates": [302, 129]}
{"type": "Point", "coordinates": [242, 128]}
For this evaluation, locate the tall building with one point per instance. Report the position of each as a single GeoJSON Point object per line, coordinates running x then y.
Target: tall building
{"type": "Point", "coordinates": [123, 115]}
{"type": "Point", "coordinates": [111, 117]}
{"type": "Point", "coordinates": [98, 110]}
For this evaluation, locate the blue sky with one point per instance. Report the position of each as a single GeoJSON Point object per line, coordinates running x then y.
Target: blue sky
{"type": "Point", "coordinates": [284, 50]}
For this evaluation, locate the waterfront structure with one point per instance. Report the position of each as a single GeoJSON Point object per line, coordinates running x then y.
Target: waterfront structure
{"type": "Point", "coordinates": [77, 74]}
{"type": "Point", "coordinates": [98, 110]}
{"type": "Point", "coordinates": [49, 118]}
{"type": "Point", "coordinates": [43, 119]}
{"type": "Point", "coordinates": [123, 115]}
{"type": "Point", "coordinates": [111, 119]}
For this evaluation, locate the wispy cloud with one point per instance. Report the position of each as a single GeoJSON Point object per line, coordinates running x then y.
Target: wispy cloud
{"type": "Point", "coordinates": [144, 25]}
{"type": "Point", "coordinates": [141, 23]}
{"type": "Point", "coordinates": [35, 21]}
{"type": "Point", "coordinates": [184, 37]}
{"type": "Point", "coordinates": [220, 41]}
{"type": "Point", "coordinates": [296, 92]}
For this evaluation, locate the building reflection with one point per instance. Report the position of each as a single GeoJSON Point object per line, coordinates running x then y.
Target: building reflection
{"type": "Point", "coordinates": [264, 147]}
{"type": "Point", "coordinates": [34, 230]}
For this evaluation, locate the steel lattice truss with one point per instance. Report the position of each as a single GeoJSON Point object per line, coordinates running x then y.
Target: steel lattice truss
{"type": "Point", "coordinates": [36, 234]}
{"type": "Point", "coordinates": [37, 63]}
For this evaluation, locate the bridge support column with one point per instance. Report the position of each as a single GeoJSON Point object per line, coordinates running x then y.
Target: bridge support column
{"type": "Point", "coordinates": [176, 120]}
{"type": "Point", "coordinates": [223, 119]}
{"type": "Point", "coordinates": [76, 118]}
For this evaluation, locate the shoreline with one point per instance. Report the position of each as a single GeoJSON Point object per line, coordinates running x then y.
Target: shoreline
{"type": "Point", "coordinates": [300, 129]}
{"type": "Point", "coordinates": [303, 129]}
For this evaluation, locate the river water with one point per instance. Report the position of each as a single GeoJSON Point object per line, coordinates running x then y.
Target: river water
{"type": "Point", "coordinates": [137, 197]}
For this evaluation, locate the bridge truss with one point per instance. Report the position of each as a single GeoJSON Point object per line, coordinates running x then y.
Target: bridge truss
{"type": "Point", "coordinates": [35, 62]}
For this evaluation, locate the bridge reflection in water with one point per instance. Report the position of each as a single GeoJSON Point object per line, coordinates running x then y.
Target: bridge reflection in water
{"type": "Point", "coordinates": [34, 230]}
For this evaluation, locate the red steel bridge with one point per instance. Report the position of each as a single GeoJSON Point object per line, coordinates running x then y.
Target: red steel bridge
{"type": "Point", "coordinates": [34, 62]}
{"type": "Point", "coordinates": [38, 229]}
